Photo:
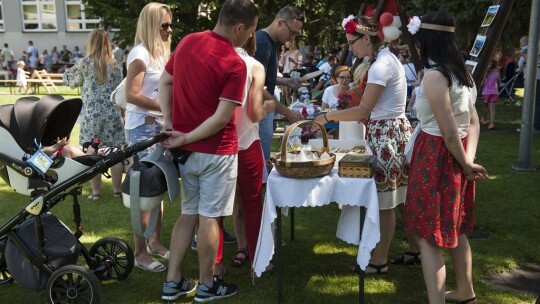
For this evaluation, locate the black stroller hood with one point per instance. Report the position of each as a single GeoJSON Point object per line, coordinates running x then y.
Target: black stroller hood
{"type": "Point", "coordinates": [42, 119]}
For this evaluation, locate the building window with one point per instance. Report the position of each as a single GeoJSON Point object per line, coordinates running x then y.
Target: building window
{"type": "Point", "coordinates": [1, 17]}
{"type": "Point", "coordinates": [78, 19]}
{"type": "Point", "coordinates": [39, 15]}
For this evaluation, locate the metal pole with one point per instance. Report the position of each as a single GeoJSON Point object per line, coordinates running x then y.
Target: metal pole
{"type": "Point", "coordinates": [524, 155]}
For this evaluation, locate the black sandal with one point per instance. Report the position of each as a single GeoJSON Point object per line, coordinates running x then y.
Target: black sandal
{"type": "Point", "coordinates": [471, 300]}
{"type": "Point", "coordinates": [378, 268]}
{"type": "Point", "coordinates": [94, 144]}
{"type": "Point", "coordinates": [403, 261]}
{"type": "Point", "coordinates": [239, 260]}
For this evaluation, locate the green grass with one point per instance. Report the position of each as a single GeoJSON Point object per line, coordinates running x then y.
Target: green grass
{"type": "Point", "coordinates": [316, 264]}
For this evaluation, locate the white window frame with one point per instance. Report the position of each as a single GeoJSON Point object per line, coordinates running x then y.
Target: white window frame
{"type": "Point", "coordinates": [40, 20]}
{"type": "Point", "coordinates": [2, 24]}
{"type": "Point", "coordinates": [83, 21]}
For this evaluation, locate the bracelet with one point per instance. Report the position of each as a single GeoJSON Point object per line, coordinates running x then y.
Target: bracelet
{"type": "Point", "coordinates": [326, 117]}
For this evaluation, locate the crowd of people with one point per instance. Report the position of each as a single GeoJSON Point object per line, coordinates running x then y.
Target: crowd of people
{"type": "Point", "coordinates": [214, 96]}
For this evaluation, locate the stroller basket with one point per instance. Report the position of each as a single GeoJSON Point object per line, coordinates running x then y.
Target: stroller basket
{"type": "Point", "coordinates": [60, 249]}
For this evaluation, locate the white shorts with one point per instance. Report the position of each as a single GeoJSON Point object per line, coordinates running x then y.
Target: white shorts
{"type": "Point", "coordinates": [209, 184]}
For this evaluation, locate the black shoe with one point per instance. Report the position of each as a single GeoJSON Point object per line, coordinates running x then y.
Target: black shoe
{"type": "Point", "coordinates": [219, 290]}
{"type": "Point", "coordinates": [173, 290]}
{"type": "Point", "coordinates": [228, 238]}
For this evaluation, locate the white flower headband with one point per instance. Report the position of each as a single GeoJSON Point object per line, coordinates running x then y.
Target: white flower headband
{"type": "Point", "coordinates": [415, 25]}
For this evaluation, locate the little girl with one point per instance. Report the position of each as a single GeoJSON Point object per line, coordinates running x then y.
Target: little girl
{"type": "Point", "coordinates": [491, 93]}
{"type": "Point", "coordinates": [21, 77]}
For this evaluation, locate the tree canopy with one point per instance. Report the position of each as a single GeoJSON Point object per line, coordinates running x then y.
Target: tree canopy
{"type": "Point", "coordinates": [323, 17]}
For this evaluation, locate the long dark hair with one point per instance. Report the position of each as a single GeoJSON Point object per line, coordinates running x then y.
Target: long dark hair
{"type": "Point", "coordinates": [441, 47]}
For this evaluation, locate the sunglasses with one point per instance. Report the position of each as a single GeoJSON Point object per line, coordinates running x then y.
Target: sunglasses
{"type": "Point", "coordinates": [166, 26]}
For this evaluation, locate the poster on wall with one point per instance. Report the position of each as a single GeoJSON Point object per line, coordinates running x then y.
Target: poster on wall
{"type": "Point", "coordinates": [478, 45]}
{"type": "Point", "coordinates": [490, 15]}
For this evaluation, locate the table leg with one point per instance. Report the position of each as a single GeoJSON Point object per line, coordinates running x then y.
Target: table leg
{"type": "Point", "coordinates": [361, 274]}
{"type": "Point", "coordinates": [292, 223]}
{"type": "Point", "coordinates": [279, 256]}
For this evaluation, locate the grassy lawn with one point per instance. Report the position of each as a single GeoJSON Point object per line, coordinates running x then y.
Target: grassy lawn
{"type": "Point", "coordinates": [316, 264]}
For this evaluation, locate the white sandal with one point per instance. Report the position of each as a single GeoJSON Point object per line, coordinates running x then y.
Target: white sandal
{"type": "Point", "coordinates": [155, 266]}
{"type": "Point", "coordinates": [163, 256]}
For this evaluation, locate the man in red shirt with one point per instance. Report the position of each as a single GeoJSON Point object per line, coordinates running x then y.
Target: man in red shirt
{"type": "Point", "coordinates": [201, 86]}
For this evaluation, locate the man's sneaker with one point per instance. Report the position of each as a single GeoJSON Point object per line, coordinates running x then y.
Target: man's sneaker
{"type": "Point", "coordinates": [173, 290]}
{"type": "Point", "coordinates": [227, 238]}
{"type": "Point", "coordinates": [219, 290]}
{"type": "Point", "coordinates": [194, 243]}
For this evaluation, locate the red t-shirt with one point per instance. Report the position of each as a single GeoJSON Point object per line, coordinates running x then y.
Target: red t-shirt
{"type": "Point", "coordinates": [206, 69]}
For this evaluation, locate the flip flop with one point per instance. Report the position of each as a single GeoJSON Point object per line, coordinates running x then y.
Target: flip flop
{"type": "Point", "coordinates": [155, 266]}
{"type": "Point", "coordinates": [163, 256]}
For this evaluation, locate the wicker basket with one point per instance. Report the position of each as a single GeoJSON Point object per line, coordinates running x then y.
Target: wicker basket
{"type": "Point", "coordinates": [306, 169]}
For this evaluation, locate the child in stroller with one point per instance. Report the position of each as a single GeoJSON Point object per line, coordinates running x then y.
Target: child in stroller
{"type": "Point", "coordinates": [36, 249]}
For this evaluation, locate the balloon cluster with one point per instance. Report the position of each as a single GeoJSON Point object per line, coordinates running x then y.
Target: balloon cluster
{"type": "Point", "coordinates": [389, 29]}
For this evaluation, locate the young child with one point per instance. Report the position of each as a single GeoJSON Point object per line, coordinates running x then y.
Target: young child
{"type": "Point", "coordinates": [21, 77]}
{"type": "Point", "coordinates": [490, 92]}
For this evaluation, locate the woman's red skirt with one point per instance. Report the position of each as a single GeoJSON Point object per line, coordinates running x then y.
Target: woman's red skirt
{"type": "Point", "coordinates": [440, 200]}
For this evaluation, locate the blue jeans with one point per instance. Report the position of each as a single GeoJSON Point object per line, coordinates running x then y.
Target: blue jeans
{"type": "Point", "coordinates": [141, 133]}
{"type": "Point", "coordinates": [266, 133]}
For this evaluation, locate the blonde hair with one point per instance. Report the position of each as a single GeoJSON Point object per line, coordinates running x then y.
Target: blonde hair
{"type": "Point", "coordinates": [20, 64]}
{"type": "Point", "coordinates": [148, 32]}
{"type": "Point", "coordinates": [359, 72]}
{"type": "Point", "coordinates": [99, 50]}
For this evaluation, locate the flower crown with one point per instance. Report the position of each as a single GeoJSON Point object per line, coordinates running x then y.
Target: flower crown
{"type": "Point", "coordinates": [415, 24]}
{"type": "Point", "coordinates": [350, 26]}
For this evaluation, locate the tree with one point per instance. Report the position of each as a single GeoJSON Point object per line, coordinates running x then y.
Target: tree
{"type": "Point", "coordinates": [323, 17]}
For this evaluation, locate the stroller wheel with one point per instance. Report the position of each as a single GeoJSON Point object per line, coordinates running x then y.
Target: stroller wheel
{"type": "Point", "coordinates": [73, 284]}
{"type": "Point", "coordinates": [5, 276]}
{"type": "Point", "coordinates": [114, 259]}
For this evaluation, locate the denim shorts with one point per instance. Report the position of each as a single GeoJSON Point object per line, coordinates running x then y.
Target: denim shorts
{"type": "Point", "coordinates": [141, 133]}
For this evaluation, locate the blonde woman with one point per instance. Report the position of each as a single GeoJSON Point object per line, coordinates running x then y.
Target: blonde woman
{"type": "Point", "coordinates": [144, 119]}
{"type": "Point", "coordinates": [291, 59]}
{"type": "Point", "coordinates": [99, 74]}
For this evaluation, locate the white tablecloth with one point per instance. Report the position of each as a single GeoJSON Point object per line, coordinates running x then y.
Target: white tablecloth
{"type": "Point", "coordinates": [349, 192]}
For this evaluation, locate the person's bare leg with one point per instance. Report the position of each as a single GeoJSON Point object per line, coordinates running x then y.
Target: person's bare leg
{"type": "Point", "coordinates": [492, 113]}
{"type": "Point", "coordinates": [180, 242]}
{"type": "Point", "coordinates": [96, 185]}
{"type": "Point", "coordinates": [462, 261]}
{"type": "Point", "coordinates": [388, 225]}
{"type": "Point", "coordinates": [238, 223]}
{"type": "Point", "coordinates": [434, 271]}
{"type": "Point", "coordinates": [116, 176]}
{"type": "Point", "coordinates": [412, 241]}
{"type": "Point", "coordinates": [154, 242]}
{"type": "Point", "coordinates": [207, 247]}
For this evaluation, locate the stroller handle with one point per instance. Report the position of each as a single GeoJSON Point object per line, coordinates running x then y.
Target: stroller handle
{"type": "Point", "coordinates": [37, 204]}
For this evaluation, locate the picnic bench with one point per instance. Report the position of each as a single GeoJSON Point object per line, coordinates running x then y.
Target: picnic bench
{"type": "Point", "coordinates": [39, 78]}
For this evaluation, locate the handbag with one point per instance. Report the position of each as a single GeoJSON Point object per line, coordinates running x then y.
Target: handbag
{"type": "Point", "coordinates": [118, 96]}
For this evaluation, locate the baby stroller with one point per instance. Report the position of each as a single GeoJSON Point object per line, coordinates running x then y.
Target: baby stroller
{"type": "Point", "coordinates": [36, 248]}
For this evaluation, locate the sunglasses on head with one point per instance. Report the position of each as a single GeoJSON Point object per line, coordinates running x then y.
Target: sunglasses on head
{"type": "Point", "coordinates": [166, 26]}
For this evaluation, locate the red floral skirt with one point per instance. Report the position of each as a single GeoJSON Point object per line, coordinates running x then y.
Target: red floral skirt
{"type": "Point", "coordinates": [440, 200]}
